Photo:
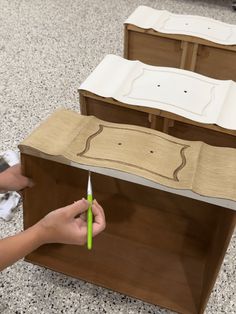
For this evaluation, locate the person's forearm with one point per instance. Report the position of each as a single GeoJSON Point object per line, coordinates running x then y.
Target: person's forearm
{"type": "Point", "coordinates": [16, 247]}
{"type": "Point", "coordinates": [2, 187]}
{"type": "Point", "coordinates": [5, 182]}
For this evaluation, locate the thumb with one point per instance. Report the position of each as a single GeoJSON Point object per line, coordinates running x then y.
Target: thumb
{"type": "Point", "coordinates": [30, 183]}
{"type": "Point", "coordinates": [27, 182]}
{"type": "Point", "coordinates": [77, 207]}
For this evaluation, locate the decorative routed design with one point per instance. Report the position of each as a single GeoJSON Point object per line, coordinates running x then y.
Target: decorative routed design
{"type": "Point", "coordinates": [132, 151]}
{"type": "Point", "coordinates": [132, 147]}
{"type": "Point", "coordinates": [185, 93]}
{"type": "Point", "coordinates": [169, 23]}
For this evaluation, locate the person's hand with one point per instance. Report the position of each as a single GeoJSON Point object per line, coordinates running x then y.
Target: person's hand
{"type": "Point", "coordinates": [63, 225]}
{"type": "Point", "coordinates": [12, 179]}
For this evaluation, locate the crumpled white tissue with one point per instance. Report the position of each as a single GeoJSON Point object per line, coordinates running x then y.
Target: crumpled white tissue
{"type": "Point", "coordinates": [11, 200]}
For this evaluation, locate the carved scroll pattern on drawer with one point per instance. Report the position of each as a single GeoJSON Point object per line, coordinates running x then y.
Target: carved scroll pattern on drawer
{"type": "Point", "coordinates": [124, 146]}
{"type": "Point", "coordinates": [168, 87]}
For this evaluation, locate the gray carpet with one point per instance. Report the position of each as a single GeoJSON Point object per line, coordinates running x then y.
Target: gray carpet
{"type": "Point", "coordinates": [47, 48]}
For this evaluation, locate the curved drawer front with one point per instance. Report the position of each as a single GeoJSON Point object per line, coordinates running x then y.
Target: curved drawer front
{"type": "Point", "coordinates": [193, 96]}
{"type": "Point", "coordinates": [198, 26]}
{"type": "Point", "coordinates": [137, 154]}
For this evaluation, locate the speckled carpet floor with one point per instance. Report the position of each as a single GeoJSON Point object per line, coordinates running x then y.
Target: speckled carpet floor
{"type": "Point", "coordinates": [47, 48]}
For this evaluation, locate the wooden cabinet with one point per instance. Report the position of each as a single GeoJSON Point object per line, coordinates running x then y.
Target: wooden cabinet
{"type": "Point", "coordinates": [194, 43]}
{"type": "Point", "coordinates": [158, 247]}
{"type": "Point", "coordinates": [181, 103]}
{"type": "Point", "coordinates": [161, 244]}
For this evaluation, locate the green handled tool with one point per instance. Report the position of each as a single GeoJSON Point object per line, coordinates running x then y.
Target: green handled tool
{"type": "Point", "coordinates": [89, 214]}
